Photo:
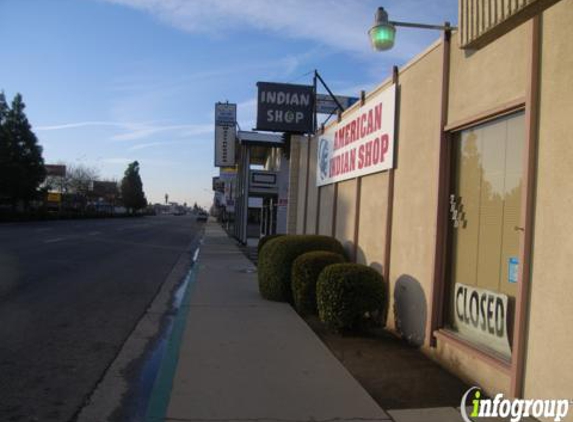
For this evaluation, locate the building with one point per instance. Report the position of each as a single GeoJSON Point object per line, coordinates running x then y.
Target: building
{"type": "Point", "coordinates": [469, 224]}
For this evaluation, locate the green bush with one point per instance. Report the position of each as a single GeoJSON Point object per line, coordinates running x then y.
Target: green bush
{"type": "Point", "coordinates": [305, 271]}
{"type": "Point", "coordinates": [350, 296]}
{"type": "Point", "coordinates": [263, 241]}
{"type": "Point", "coordinates": [276, 258]}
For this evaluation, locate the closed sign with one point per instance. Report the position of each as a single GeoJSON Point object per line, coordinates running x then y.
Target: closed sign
{"type": "Point", "coordinates": [481, 316]}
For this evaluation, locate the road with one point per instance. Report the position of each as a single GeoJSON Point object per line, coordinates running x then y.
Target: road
{"type": "Point", "coordinates": [71, 292]}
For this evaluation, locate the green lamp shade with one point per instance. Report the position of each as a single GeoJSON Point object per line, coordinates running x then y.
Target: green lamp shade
{"type": "Point", "coordinates": [382, 37]}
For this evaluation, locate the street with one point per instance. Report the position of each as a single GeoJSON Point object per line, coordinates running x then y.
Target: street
{"type": "Point", "coordinates": [71, 292]}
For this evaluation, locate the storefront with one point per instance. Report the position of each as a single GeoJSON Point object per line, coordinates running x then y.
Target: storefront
{"type": "Point", "coordinates": [464, 210]}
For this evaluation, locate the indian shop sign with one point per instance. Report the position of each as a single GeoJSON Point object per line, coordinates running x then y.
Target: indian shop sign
{"type": "Point", "coordinates": [361, 143]}
{"type": "Point", "coordinates": [481, 316]}
{"type": "Point", "coordinates": [285, 107]}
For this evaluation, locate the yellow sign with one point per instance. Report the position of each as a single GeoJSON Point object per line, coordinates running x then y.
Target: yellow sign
{"type": "Point", "coordinates": [54, 197]}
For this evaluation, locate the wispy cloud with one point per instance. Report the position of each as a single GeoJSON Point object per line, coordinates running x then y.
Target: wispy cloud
{"type": "Point", "coordinates": [134, 131]}
{"type": "Point", "coordinates": [145, 131]}
{"type": "Point", "coordinates": [155, 144]}
{"type": "Point", "coordinates": [156, 162]}
{"type": "Point", "coordinates": [80, 125]}
{"type": "Point", "coordinates": [337, 24]}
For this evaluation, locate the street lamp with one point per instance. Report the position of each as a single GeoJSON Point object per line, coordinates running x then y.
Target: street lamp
{"type": "Point", "coordinates": [383, 32]}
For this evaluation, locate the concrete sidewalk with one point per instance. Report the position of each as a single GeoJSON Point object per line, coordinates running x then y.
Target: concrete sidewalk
{"type": "Point", "coordinates": [244, 358]}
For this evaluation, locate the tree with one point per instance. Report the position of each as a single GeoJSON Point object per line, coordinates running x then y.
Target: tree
{"type": "Point", "coordinates": [21, 163]}
{"type": "Point", "coordinates": [132, 188]}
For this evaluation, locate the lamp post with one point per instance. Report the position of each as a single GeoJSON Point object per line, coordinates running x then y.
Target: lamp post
{"type": "Point", "coordinates": [383, 32]}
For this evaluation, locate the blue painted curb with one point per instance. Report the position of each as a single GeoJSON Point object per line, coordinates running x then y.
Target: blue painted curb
{"type": "Point", "coordinates": [159, 400]}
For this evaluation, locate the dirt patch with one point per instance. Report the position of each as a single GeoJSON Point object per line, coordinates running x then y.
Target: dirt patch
{"type": "Point", "coordinates": [395, 374]}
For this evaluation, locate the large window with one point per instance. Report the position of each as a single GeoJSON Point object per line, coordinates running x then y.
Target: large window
{"type": "Point", "coordinates": [484, 236]}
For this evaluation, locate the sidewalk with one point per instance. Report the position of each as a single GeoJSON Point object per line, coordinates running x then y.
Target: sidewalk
{"type": "Point", "coordinates": [242, 358]}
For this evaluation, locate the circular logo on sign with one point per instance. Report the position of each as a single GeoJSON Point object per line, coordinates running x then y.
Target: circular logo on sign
{"type": "Point", "coordinates": [289, 117]}
{"type": "Point", "coordinates": [324, 158]}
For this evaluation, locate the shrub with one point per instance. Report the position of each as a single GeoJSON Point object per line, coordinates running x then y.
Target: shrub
{"type": "Point", "coordinates": [350, 296]}
{"type": "Point", "coordinates": [263, 241]}
{"type": "Point", "coordinates": [276, 258]}
{"type": "Point", "coordinates": [305, 271]}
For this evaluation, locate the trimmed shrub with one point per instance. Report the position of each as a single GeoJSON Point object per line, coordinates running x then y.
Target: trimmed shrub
{"type": "Point", "coordinates": [263, 241]}
{"type": "Point", "coordinates": [350, 297]}
{"type": "Point", "coordinates": [276, 258]}
{"type": "Point", "coordinates": [305, 271]}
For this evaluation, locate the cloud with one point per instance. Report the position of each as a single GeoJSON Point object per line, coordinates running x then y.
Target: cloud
{"type": "Point", "coordinates": [336, 23]}
{"type": "Point", "coordinates": [133, 131]}
{"type": "Point", "coordinates": [155, 144]}
{"type": "Point", "coordinates": [145, 131]}
{"type": "Point", "coordinates": [340, 25]}
{"type": "Point", "coordinates": [142, 161]}
{"type": "Point", "coordinates": [79, 125]}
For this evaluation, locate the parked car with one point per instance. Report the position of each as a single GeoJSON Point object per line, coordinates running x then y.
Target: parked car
{"type": "Point", "coordinates": [202, 216]}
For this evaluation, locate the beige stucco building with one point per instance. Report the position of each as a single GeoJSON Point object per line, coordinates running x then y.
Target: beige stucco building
{"type": "Point", "coordinates": [476, 203]}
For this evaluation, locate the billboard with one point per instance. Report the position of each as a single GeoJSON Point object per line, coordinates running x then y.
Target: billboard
{"type": "Point", "coordinates": [361, 143]}
{"type": "Point", "coordinates": [225, 122]}
{"type": "Point", "coordinates": [285, 107]}
{"type": "Point", "coordinates": [55, 170]}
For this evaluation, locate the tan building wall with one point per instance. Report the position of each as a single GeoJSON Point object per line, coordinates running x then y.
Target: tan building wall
{"type": "Point", "coordinates": [326, 210]}
{"type": "Point", "coordinates": [312, 190]}
{"type": "Point", "coordinates": [487, 78]}
{"type": "Point", "coordinates": [549, 366]}
{"type": "Point", "coordinates": [372, 223]}
{"type": "Point", "coordinates": [301, 190]}
{"type": "Point", "coordinates": [293, 193]}
{"type": "Point", "coordinates": [415, 192]}
{"type": "Point", "coordinates": [346, 206]}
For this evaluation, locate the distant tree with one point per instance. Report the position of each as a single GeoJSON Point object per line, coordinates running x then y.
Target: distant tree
{"type": "Point", "coordinates": [132, 188]}
{"type": "Point", "coordinates": [78, 179]}
{"type": "Point", "coordinates": [21, 163]}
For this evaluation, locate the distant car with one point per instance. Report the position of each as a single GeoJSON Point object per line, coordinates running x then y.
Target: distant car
{"type": "Point", "coordinates": [202, 216]}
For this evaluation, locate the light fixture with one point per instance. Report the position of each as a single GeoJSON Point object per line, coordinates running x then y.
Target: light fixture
{"type": "Point", "coordinates": [383, 32]}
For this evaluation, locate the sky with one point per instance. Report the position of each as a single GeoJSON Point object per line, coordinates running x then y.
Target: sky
{"type": "Point", "coordinates": [107, 82]}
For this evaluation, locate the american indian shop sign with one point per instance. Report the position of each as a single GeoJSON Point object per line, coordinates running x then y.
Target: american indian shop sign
{"type": "Point", "coordinates": [361, 143]}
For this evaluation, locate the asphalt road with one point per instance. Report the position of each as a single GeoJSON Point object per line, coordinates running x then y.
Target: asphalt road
{"type": "Point", "coordinates": [71, 292]}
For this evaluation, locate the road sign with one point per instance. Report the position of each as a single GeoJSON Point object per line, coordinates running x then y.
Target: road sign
{"type": "Point", "coordinates": [325, 104]}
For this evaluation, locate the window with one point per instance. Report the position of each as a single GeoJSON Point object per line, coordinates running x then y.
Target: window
{"type": "Point", "coordinates": [484, 233]}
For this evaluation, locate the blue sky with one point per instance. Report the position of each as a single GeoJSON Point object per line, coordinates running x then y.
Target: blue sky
{"type": "Point", "coordinates": [107, 82]}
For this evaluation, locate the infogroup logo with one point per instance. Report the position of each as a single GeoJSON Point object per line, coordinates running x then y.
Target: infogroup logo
{"type": "Point", "coordinates": [515, 409]}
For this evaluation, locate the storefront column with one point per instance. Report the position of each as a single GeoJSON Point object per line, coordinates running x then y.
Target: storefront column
{"type": "Point", "coordinates": [390, 198]}
{"type": "Point", "coordinates": [440, 250]}
{"type": "Point", "coordinates": [527, 205]}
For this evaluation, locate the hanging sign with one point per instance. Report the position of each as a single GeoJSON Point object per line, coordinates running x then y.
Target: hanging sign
{"type": "Point", "coordinates": [285, 107]}
{"type": "Point", "coordinates": [481, 316]}
{"type": "Point", "coordinates": [361, 143]}
{"type": "Point", "coordinates": [325, 104]}
{"type": "Point", "coordinates": [225, 122]}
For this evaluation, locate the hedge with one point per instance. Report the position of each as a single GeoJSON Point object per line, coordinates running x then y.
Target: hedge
{"type": "Point", "coordinates": [350, 297]}
{"type": "Point", "coordinates": [276, 258]}
{"type": "Point", "coordinates": [305, 271]}
{"type": "Point", "coordinates": [263, 241]}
